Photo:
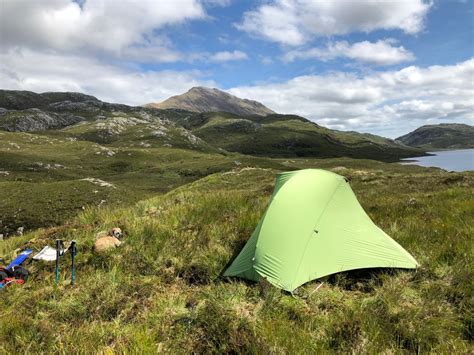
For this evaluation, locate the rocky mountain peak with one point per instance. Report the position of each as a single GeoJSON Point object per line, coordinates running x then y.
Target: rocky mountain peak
{"type": "Point", "coordinates": [203, 99]}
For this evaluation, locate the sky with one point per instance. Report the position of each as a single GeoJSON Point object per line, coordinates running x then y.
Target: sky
{"type": "Point", "coordinates": [384, 67]}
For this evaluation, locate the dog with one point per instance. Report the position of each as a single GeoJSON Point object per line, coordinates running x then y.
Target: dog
{"type": "Point", "coordinates": [106, 241]}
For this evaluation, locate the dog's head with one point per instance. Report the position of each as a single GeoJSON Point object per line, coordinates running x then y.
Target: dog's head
{"type": "Point", "coordinates": [116, 232]}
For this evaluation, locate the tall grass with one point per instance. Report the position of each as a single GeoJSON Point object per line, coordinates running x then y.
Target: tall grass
{"type": "Point", "coordinates": [161, 290]}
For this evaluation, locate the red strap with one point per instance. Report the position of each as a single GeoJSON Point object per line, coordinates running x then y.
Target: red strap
{"type": "Point", "coordinates": [10, 280]}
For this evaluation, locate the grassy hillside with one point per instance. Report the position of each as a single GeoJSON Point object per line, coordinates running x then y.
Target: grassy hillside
{"type": "Point", "coordinates": [86, 118]}
{"type": "Point", "coordinates": [77, 141]}
{"type": "Point", "coordinates": [161, 290]}
{"type": "Point", "coordinates": [289, 136]}
{"type": "Point", "coordinates": [54, 171]}
{"type": "Point", "coordinates": [441, 136]}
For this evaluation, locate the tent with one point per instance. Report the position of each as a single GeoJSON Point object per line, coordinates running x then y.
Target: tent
{"type": "Point", "coordinates": [313, 227]}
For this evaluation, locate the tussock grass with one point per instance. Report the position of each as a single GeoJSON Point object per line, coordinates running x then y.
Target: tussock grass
{"type": "Point", "coordinates": [162, 290]}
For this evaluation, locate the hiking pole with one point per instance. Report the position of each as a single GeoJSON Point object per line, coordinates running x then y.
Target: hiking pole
{"type": "Point", "coordinates": [58, 244]}
{"type": "Point", "coordinates": [73, 254]}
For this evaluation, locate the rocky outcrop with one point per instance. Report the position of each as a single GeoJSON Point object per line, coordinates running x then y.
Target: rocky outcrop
{"type": "Point", "coordinates": [26, 111]}
{"type": "Point", "coordinates": [34, 119]}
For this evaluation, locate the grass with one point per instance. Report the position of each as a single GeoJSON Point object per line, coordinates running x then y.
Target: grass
{"type": "Point", "coordinates": [187, 208]}
{"type": "Point", "coordinates": [289, 136]}
{"type": "Point", "coordinates": [161, 290]}
{"type": "Point", "coordinates": [46, 171]}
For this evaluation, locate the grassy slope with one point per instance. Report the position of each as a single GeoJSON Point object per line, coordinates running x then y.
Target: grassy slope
{"type": "Point", "coordinates": [290, 136]}
{"type": "Point", "coordinates": [442, 136]}
{"type": "Point", "coordinates": [45, 171]}
{"type": "Point", "coordinates": [161, 291]}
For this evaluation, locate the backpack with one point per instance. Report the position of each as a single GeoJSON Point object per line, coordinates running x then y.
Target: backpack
{"type": "Point", "coordinates": [20, 273]}
{"type": "Point", "coordinates": [4, 274]}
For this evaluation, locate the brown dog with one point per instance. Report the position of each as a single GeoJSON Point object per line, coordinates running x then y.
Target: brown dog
{"type": "Point", "coordinates": [106, 241]}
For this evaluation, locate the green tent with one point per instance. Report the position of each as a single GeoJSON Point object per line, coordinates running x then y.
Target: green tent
{"type": "Point", "coordinates": [314, 226]}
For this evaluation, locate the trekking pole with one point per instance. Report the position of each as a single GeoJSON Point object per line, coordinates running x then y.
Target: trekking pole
{"type": "Point", "coordinates": [73, 254]}
{"type": "Point", "coordinates": [58, 244]}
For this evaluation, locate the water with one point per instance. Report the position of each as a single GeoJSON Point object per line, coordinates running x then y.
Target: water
{"type": "Point", "coordinates": [450, 160]}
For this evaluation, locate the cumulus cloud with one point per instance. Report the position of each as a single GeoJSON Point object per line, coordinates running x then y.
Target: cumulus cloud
{"type": "Point", "coordinates": [227, 56]}
{"type": "Point", "coordinates": [126, 30]}
{"type": "Point", "coordinates": [390, 102]}
{"type": "Point", "coordinates": [103, 27]}
{"type": "Point", "coordinates": [381, 52]}
{"type": "Point", "coordinates": [295, 22]}
{"type": "Point", "coordinates": [19, 70]}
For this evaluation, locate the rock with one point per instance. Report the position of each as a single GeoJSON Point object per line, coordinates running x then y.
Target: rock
{"type": "Point", "coordinates": [20, 231]}
{"type": "Point", "coordinates": [105, 243]}
{"type": "Point", "coordinates": [99, 182]}
{"type": "Point", "coordinates": [34, 119]}
{"type": "Point", "coordinates": [412, 201]}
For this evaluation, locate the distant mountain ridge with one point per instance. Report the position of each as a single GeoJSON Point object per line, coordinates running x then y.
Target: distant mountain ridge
{"type": "Point", "coordinates": [440, 136]}
{"type": "Point", "coordinates": [201, 99]}
{"type": "Point", "coordinates": [85, 118]}
{"type": "Point", "coordinates": [278, 135]}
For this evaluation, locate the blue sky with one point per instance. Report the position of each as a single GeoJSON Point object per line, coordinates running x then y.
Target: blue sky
{"type": "Point", "coordinates": [447, 38]}
{"type": "Point", "coordinates": [384, 67]}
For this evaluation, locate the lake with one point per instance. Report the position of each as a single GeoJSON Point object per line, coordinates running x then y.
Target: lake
{"type": "Point", "coordinates": [451, 160]}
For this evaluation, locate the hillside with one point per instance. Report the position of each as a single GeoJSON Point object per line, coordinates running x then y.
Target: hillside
{"type": "Point", "coordinates": [161, 290]}
{"type": "Point", "coordinates": [67, 170]}
{"type": "Point", "coordinates": [25, 111]}
{"type": "Point", "coordinates": [441, 136]}
{"type": "Point", "coordinates": [289, 136]}
{"type": "Point", "coordinates": [60, 148]}
{"type": "Point", "coordinates": [86, 118]}
{"type": "Point", "coordinates": [201, 99]}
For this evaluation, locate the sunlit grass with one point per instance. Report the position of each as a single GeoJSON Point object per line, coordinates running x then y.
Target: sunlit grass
{"type": "Point", "coordinates": [162, 290]}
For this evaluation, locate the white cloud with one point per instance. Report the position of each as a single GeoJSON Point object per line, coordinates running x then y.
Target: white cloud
{"type": "Point", "coordinates": [294, 22]}
{"type": "Point", "coordinates": [227, 56]}
{"type": "Point", "coordinates": [381, 52]}
{"type": "Point", "coordinates": [221, 3]}
{"type": "Point", "coordinates": [389, 103]}
{"type": "Point", "coordinates": [40, 72]}
{"type": "Point", "coordinates": [126, 30]}
{"type": "Point", "coordinates": [102, 27]}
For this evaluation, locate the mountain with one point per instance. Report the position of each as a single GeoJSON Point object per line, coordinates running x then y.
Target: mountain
{"type": "Point", "coordinates": [84, 117]}
{"type": "Point", "coordinates": [441, 136]}
{"type": "Point", "coordinates": [278, 135]}
{"type": "Point", "coordinates": [201, 99]}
